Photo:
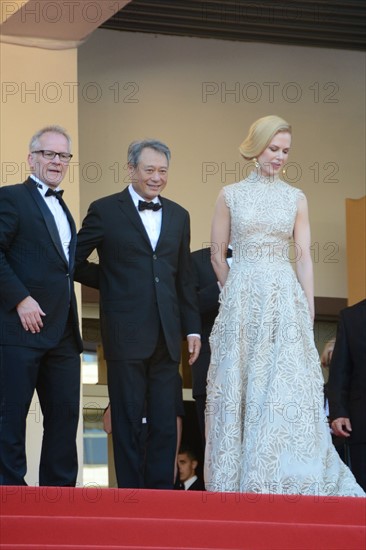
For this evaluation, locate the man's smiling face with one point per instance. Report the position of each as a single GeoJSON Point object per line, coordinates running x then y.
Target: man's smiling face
{"type": "Point", "coordinates": [150, 176]}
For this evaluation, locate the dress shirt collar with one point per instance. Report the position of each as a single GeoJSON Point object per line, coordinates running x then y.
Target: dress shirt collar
{"type": "Point", "coordinates": [189, 482]}
{"type": "Point", "coordinates": [42, 187]}
{"type": "Point", "coordinates": [136, 197]}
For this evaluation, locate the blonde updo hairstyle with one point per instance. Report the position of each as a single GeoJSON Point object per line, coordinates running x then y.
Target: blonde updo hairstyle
{"type": "Point", "coordinates": [260, 135]}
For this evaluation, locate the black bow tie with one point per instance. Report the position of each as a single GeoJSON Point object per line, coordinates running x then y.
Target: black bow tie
{"type": "Point", "coordinates": [229, 253]}
{"type": "Point", "coordinates": [51, 193]}
{"type": "Point", "coordinates": [143, 205]}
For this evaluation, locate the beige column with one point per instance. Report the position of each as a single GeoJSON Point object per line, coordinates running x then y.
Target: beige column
{"type": "Point", "coordinates": [356, 249]}
{"type": "Point", "coordinates": [39, 86]}
{"type": "Point", "coordinates": [37, 89]}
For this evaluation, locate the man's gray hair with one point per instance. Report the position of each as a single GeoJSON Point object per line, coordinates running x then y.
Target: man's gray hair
{"type": "Point", "coordinates": [34, 142]}
{"type": "Point", "coordinates": [136, 147]}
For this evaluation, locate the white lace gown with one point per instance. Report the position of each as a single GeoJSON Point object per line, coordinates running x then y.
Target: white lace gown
{"type": "Point", "coordinates": [266, 430]}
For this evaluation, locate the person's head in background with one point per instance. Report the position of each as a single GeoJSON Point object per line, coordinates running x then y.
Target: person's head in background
{"type": "Point", "coordinates": [187, 464]}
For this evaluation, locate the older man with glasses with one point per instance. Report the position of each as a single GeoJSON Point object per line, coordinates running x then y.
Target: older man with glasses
{"type": "Point", "coordinates": [40, 343]}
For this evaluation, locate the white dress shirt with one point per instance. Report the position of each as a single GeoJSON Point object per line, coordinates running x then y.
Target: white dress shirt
{"type": "Point", "coordinates": [58, 213]}
{"type": "Point", "coordinates": [150, 219]}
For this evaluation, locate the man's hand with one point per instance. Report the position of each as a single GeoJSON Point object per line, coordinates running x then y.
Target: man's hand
{"type": "Point", "coordinates": [107, 420]}
{"type": "Point", "coordinates": [30, 314]}
{"type": "Point", "coordinates": [194, 346]}
{"type": "Point", "coordinates": [341, 427]}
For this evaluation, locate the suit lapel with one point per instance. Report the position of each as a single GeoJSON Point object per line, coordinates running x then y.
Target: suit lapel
{"type": "Point", "coordinates": [129, 209]}
{"type": "Point", "coordinates": [72, 246]}
{"type": "Point", "coordinates": [165, 220]}
{"type": "Point", "coordinates": [49, 219]}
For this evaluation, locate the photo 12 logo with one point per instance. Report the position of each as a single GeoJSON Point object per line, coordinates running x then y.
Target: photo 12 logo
{"type": "Point", "coordinates": [253, 92]}
{"type": "Point", "coordinates": [68, 11]}
{"type": "Point", "coordinates": [69, 92]}
{"type": "Point", "coordinates": [316, 172]}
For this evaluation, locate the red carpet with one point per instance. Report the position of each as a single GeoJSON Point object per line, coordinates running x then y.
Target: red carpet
{"type": "Point", "coordinates": [93, 518]}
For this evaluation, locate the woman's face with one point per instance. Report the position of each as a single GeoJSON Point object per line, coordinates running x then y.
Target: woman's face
{"type": "Point", "coordinates": [272, 159]}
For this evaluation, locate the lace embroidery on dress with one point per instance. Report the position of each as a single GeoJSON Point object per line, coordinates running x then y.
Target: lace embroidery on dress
{"type": "Point", "coordinates": [266, 429]}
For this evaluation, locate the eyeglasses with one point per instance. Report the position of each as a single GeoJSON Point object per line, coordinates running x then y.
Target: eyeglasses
{"type": "Point", "coordinates": [50, 155]}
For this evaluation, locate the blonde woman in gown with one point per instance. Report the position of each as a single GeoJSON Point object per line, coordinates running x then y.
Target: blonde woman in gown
{"type": "Point", "coordinates": [266, 430]}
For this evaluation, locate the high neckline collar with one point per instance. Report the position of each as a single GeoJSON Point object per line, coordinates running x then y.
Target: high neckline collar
{"type": "Point", "coordinates": [256, 177]}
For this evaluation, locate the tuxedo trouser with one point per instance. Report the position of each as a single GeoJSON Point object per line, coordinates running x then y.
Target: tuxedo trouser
{"type": "Point", "coordinates": [55, 375]}
{"type": "Point", "coordinates": [200, 402]}
{"type": "Point", "coordinates": [138, 388]}
{"type": "Point", "coordinates": [358, 462]}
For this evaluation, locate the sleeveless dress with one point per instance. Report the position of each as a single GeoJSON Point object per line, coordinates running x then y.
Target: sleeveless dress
{"type": "Point", "coordinates": [266, 429]}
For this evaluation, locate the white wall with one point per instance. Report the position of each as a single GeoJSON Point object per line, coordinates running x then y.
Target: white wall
{"type": "Point", "coordinates": [134, 85]}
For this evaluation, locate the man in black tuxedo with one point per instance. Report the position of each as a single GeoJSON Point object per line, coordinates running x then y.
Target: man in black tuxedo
{"type": "Point", "coordinates": [347, 386]}
{"type": "Point", "coordinates": [187, 466]}
{"type": "Point", "coordinates": [208, 292]}
{"type": "Point", "coordinates": [40, 342]}
{"type": "Point", "coordinates": [147, 303]}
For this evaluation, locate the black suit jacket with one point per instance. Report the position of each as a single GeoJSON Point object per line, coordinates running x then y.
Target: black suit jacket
{"type": "Point", "coordinates": [347, 371]}
{"type": "Point", "coordinates": [208, 299]}
{"type": "Point", "coordinates": [198, 485]}
{"type": "Point", "coordinates": [32, 262]}
{"type": "Point", "coordinates": [139, 288]}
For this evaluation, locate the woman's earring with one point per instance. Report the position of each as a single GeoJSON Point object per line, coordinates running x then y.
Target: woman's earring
{"type": "Point", "coordinates": [284, 171]}
{"type": "Point", "coordinates": [256, 163]}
